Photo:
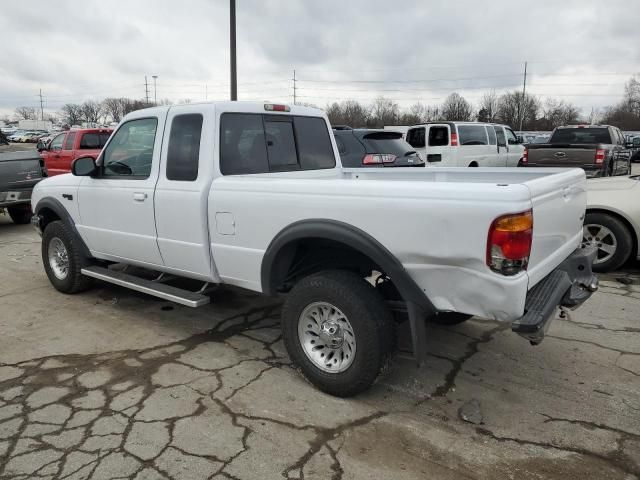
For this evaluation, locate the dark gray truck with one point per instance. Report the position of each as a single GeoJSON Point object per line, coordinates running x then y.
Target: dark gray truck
{"type": "Point", "coordinates": [19, 172]}
{"type": "Point", "coordinates": [601, 150]}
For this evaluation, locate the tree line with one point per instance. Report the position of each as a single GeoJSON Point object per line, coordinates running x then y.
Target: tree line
{"type": "Point", "coordinates": [512, 108]}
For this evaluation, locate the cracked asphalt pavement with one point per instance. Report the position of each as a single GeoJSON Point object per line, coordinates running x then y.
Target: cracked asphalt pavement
{"type": "Point", "coordinates": [111, 384]}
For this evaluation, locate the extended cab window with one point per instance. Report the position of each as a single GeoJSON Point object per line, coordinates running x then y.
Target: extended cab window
{"type": "Point", "coordinates": [184, 148]}
{"type": "Point", "coordinates": [492, 135]}
{"type": "Point", "coordinates": [130, 152]}
{"type": "Point", "coordinates": [255, 143]}
{"type": "Point", "coordinates": [68, 143]}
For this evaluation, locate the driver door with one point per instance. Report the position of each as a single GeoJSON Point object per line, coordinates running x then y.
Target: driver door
{"type": "Point", "coordinates": [116, 205]}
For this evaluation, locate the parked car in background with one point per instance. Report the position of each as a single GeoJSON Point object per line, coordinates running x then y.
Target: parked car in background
{"type": "Point", "coordinates": [19, 172]}
{"type": "Point", "coordinates": [374, 148]}
{"type": "Point", "coordinates": [600, 150]}
{"type": "Point", "coordinates": [15, 136]}
{"type": "Point", "coordinates": [466, 144]}
{"type": "Point", "coordinates": [65, 147]}
{"type": "Point", "coordinates": [612, 222]}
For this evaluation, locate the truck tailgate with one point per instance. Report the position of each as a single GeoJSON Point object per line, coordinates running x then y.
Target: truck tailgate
{"type": "Point", "coordinates": [562, 155]}
{"type": "Point", "coordinates": [19, 170]}
{"type": "Point", "coordinates": [559, 204]}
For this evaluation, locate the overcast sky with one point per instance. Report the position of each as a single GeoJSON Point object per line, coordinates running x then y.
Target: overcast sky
{"type": "Point", "coordinates": [582, 51]}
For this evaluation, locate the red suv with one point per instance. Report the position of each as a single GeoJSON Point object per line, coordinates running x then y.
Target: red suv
{"type": "Point", "coordinates": [67, 146]}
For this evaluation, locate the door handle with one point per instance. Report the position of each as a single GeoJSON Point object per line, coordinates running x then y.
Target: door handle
{"type": "Point", "coordinates": [139, 197]}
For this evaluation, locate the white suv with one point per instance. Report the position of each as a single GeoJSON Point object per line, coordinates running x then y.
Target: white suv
{"type": "Point", "coordinates": [466, 144]}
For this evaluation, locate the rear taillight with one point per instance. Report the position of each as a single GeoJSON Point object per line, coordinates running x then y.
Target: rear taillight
{"type": "Point", "coordinates": [600, 153]}
{"type": "Point", "coordinates": [272, 107]}
{"type": "Point", "coordinates": [525, 155]}
{"type": "Point", "coordinates": [454, 139]}
{"type": "Point", "coordinates": [377, 158]}
{"type": "Point", "coordinates": [509, 243]}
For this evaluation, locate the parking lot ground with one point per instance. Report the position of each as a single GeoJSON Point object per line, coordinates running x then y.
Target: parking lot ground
{"type": "Point", "coordinates": [114, 384]}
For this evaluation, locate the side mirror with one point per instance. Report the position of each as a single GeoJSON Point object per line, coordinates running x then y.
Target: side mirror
{"type": "Point", "coordinates": [83, 167]}
{"type": "Point", "coordinates": [41, 146]}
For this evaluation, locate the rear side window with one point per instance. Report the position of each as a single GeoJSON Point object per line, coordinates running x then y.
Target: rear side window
{"type": "Point", "coordinates": [93, 141]}
{"type": "Point", "coordinates": [183, 152]}
{"type": "Point", "coordinates": [438, 136]}
{"type": "Point", "coordinates": [415, 137]}
{"type": "Point", "coordinates": [472, 135]}
{"type": "Point", "coordinates": [68, 143]}
{"type": "Point", "coordinates": [492, 135]}
{"type": "Point", "coordinates": [253, 143]}
{"type": "Point", "coordinates": [314, 144]}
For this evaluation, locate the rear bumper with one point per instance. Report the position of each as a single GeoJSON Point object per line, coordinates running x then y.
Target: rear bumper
{"type": "Point", "coordinates": [15, 197]}
{"type": "Point", "coordinates": [569, 285]}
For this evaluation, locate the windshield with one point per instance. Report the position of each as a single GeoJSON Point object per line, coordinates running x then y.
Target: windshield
{"type": "Point", "coordinates": [581, 135]}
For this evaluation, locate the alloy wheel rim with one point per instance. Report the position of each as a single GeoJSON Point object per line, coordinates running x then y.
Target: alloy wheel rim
{"type": "Point", "coordinates": [602, 238]}
{"type": "Point", "coordinates": [58, 258]}
{"type": "Point", "coordinates": [327, 337]}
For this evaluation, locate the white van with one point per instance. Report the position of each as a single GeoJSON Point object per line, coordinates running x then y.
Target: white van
{"type": "Point", "coordinates": [466, 144]}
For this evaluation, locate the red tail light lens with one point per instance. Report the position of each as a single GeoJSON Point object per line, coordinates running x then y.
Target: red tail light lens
{"type": "Point", "coordinates": [454, 139]}
{"type": "Point", "coordinates": [509, 243]}
{"type": "Point", "coordinates": [600, 153]}
{"type": "Point", "coordinates": [525, 155]}
{"type": "Point", "coordinates": [376, 158]}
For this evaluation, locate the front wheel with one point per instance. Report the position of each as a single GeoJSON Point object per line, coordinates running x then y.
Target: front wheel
{"type": "Point", "coordinates": [338, 330]}
{"type": "Point", "coordinates": [63, 260]}
{"type": "Point", "coordinates": [612, 239]}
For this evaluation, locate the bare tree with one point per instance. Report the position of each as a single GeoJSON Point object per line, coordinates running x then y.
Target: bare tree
{"type": "Point", "coordinates": [91, 111]}
{"type": "Point", "coordinates": [26, 113]}
{"type": "Point", "coordinates": [384, 111]}
{"type": "Point", "coordinates": [71, 113]}
{"type": "Point", "coordinates": [489, 104]}
{"type": "Point", "coordinates": [514, 106]}
{"type": "Point", "coordinates": [455, 107]}
{"type": "Point", "coordinates": [113, 108]}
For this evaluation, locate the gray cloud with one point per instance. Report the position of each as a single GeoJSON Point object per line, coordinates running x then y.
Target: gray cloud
{"type": "Point", "coordinates": [407, 50]}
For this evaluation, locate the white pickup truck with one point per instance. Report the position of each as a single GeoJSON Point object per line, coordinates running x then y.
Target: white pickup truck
{"type": "Point", "coordinates": [253, 195]}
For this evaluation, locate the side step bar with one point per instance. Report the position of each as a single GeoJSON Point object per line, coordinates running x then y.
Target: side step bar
{"type": "Point", "coordinates": [160, 290]}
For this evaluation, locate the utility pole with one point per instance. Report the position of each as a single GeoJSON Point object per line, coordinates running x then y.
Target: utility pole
{"type": "Point", "coordinates": [232, 45]}
{"type": "Point", "coordinates": [155, 91]}
{"type": "Point", "coordinates": [41, 107]}
{"type": "Point", "coordinates": [146, 90]}
{"type": "Point", "coordinates": [524, 91]}
{"type": "Point", "coordinates": [294, 86]}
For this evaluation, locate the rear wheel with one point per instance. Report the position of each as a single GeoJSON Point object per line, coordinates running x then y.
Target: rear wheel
{"type": "Point", "coordinates": [338, 330]}
{"type": "Point", "coordinates": [473, 164]}
{"type": "Point", "coordinates": [612, 239]}
{"type": "Point", "coordinates": [20, 214]}
{"type": "Point", "coordinates": [63, 260]}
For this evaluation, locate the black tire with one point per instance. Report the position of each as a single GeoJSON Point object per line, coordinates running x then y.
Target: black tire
{"type": "Point", "coordinates": [473, 164]}
{"type": "Point", "coordinates": [20, 214]}
{"type": "Point", "coordinates": [73, 281]}
{"type": "Point", "coordinates": [621, 235]}
{"type": "Point", "coordinates": [370, 319]}
{"type": "Point", "coordinates": [449, 318]}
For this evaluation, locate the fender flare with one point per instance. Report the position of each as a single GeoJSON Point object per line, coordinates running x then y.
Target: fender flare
{"type": "Point", "coordinates": [56, 207]}
{"type": "Point", "coordinates": [353, 237]}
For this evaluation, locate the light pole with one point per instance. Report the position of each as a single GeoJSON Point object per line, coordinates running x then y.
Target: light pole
{"type": "Point", "coordinates": [155, 91]}
{"type": "Point", "coordinates": [232, 45]}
